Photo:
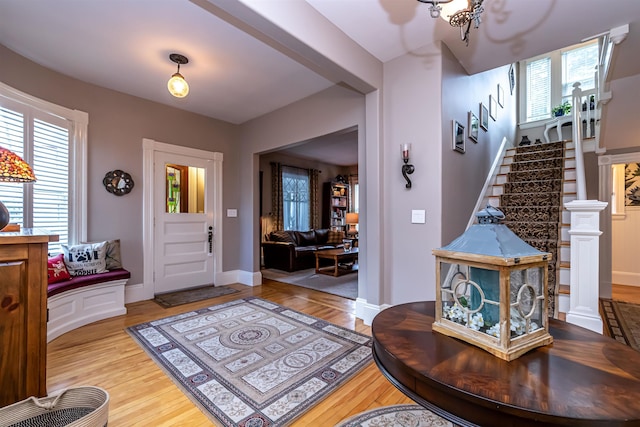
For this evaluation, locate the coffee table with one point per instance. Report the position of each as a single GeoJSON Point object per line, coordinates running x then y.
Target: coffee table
{"type": "Point", "coordinates": [339, 256]}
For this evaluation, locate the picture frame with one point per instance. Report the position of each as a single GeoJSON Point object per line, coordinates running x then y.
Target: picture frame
{"type": "Point", "coordinates": [474, 125]}
{"type": "Point", "coordinates": [500, 96]}
{"type": "Point", "coordinates": [512, 78]}
{"type": "Point", "coordinates": [458, 137]}
{"type": "Point", "coordinates": [484, 117]}
{"type": "Point", "coordinates": [493, 108]}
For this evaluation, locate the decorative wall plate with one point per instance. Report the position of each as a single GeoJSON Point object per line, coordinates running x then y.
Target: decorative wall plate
{"type": "Point", "coordinates": [118, 182]}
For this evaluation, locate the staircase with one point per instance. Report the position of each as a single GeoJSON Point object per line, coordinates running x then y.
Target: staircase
{"type": "Point", "coordinates": [532, 186]}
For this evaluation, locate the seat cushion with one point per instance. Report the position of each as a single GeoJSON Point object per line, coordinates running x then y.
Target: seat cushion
{"type": "Point", "coordinates": [80, 281]}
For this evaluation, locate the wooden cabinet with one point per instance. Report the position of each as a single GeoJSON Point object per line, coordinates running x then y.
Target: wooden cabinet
{"type": "Point", "coordinates": [23, 314]}
{"type": "Point", "coordinates": [336, 203]}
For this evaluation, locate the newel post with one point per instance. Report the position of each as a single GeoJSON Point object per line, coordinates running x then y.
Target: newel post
{"type": "Point", "coordinates": [585, 261]}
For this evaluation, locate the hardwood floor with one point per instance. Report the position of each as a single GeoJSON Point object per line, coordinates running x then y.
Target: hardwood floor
{"type": "Point", "coordinates": [626, 293]}
{"type": "Point", "coordinates": [102, 354]}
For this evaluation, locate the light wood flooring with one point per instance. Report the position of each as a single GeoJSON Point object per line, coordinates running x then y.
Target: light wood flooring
{"type": "Point", "coordinates": [102, 354]}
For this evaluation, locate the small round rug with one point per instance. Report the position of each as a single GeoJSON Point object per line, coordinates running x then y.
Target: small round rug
{"type": "Point", "coordinates": [396, 416]}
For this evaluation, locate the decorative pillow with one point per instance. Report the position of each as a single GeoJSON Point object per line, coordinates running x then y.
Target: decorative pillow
{"type": "Point", "coordinates": [322, 235]}
{"type": "Point", "coordinates": [86, 259]}
{"type": "Point", "coordinates": [57, 270]}
{"type": "Point", "coordinates": [335, 237]}
{"type": "Point", "coordinates": [281, 236]}
{"type": "Point", "coordinates": [113, 258]}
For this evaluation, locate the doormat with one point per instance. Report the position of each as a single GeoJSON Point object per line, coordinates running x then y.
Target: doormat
{"type": "Point", "coordinates": [172, 299]}
{"type": "Point", "coordinates": [396, 416]}
{"type": "Point", "coordinates": [252, 362]}
{"type": "Point", "coordinates": [622, 321]}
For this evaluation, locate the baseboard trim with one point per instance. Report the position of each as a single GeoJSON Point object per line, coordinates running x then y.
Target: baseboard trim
{"type": "Point", "coordinates": [625, 278]}
{"type": "Point", "coordinates": [366, 311]}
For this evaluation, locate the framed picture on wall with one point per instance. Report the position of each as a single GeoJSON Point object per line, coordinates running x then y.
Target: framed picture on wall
{"type": "Point", "coordinates": [493, 108]}
{"type": "Point", "coordinates": [512, 79]}
{"type": "Point", "coordinates": [500, 95]}
{"type": "Point", "coordinates": [458, 137]}
{"type": "Point", "coordinates": [484, 117]}
{"type": "Point", "coordinates": [474, 125]}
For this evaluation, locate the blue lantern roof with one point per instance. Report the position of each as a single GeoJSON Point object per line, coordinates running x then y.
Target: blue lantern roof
{"type": "Point", "coordinates": [491, 238]}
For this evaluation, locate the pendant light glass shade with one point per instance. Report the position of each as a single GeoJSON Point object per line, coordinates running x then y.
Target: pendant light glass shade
{"type": "Point", "coordinates": [178, 86]}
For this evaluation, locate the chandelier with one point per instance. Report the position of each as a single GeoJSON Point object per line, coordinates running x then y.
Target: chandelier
{"type": "Point", "coordinates": [459, 13]}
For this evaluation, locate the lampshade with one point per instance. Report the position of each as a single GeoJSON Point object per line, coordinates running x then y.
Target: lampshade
{"type": "Point", "coordinates": [12, 169]}
{"type": "Point", "coordinates": [352, 218]}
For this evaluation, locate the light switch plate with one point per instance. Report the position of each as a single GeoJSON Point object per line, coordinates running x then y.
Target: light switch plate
{"type": "Point", "coordinates": [232, 213]}
{"type": "Point", "coordinates": [418, 216]}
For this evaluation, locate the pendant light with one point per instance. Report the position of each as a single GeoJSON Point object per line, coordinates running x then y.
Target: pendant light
{"type": "Point", "coordinates": [177, 85]}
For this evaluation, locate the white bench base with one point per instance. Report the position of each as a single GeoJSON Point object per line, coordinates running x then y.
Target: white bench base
{"type": "Point", "coordinates": [78, 307]}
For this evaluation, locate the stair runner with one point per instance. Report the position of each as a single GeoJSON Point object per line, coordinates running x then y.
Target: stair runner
{"type": "Point", "coordinates": [532, 204]}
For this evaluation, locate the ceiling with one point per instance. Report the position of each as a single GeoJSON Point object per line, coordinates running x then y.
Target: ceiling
{"type": "Point", "coordinates": [124, 45]}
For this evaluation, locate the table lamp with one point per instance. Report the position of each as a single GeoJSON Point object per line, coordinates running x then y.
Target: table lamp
{"type": "Point", "coordinates": [12, 169]}
{"type": "Point", "coordinates": [352, 221]}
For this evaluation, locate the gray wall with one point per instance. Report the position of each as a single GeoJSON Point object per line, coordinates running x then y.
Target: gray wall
{"type": "Point", "coordinates": [117, 125]}
{"type": "Point", "coordinates": [464, 175]}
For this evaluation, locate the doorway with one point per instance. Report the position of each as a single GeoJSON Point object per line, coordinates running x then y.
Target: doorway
{"type": "Point", "coordinates": [183, 217]}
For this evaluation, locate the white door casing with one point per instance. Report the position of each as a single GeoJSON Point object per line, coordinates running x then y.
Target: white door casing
{"type": "Point", "coordinates": [146, 290]}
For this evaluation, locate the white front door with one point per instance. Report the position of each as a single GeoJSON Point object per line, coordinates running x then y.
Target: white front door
{"type": "Point", "coordinates": [183, 232]}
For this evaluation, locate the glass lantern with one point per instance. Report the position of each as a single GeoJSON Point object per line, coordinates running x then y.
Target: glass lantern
{"type": "Point", "coordinates": [491, 289]}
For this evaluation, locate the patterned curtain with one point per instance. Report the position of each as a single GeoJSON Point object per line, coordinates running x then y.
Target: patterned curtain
{"type": "Point", "coordinates": [314, 199]}
{"type": "Point", "coordinates": [353, 180]}
{"type": "Point", "coordinates": [276, 195]}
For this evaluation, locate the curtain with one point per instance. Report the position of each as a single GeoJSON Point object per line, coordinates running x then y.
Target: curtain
{"type": "Point", "coordinates": [353, 182]}
{"type": "Point", "coordinates": [276, 195]}
{"type": "Point", "coordinates": [314, 198]}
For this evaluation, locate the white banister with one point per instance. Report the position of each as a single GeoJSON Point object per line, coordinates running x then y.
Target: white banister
{"type": "Point", "coordinates": [577, 141]}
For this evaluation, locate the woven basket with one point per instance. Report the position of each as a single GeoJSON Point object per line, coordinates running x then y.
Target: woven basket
{"type": "Point", "coordinates": [85, 406]}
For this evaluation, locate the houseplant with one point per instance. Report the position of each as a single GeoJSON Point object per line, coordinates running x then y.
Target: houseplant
{"type": "Point", "coordinates": [561, 110]}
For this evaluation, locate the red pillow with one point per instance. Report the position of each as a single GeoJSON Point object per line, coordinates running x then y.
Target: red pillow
{"type": "Point", "coordinates": [57, 270]}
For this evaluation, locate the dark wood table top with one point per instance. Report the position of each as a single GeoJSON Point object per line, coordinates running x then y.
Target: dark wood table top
{"type": "Point", "coordinates": [336, 253]}
{"type": "Point", "coordinates": [582, 378]}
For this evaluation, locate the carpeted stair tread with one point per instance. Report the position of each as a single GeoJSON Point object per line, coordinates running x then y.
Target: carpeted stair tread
{"type": "Point", "coordinates": [531, 213]}
{"type": "Point", "coordinates": [530, 175]}
{"type": "Point", "coordinates": [534, 230]}
{"type": "Point", "coordinates": [557, 162]}
{"type": "Point", "coordinates": [548, 146]}
{"type": "Point", "coordinates": [538, 186]}
{"type": "Point", "coordinates": [538, 155]}
{"type": "Point", "coordinates": [525, 199]}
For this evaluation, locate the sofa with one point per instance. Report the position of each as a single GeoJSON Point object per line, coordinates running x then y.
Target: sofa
{"type": "Point", "coordinates": [290, 250]}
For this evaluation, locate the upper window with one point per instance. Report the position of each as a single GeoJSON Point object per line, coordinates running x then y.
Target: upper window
{"type": "Point", "coordinates": [549, 78]}
{"type": "Point", "coordinates": [295, 198]}
{"type": "Point", "coordinates": [45, 136]}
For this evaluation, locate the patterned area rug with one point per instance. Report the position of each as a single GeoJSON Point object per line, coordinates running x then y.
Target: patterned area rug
{"type": "Point", "coordinates": [622, 321]}
{"type": "Point", "coordinates": [344, 286]}
{"type": "Point", "coordinates": [251, 362]}
{"type": "Point", "coordinates": [396, 416]}
{"type": "Point", "coordinates": [171, 299]}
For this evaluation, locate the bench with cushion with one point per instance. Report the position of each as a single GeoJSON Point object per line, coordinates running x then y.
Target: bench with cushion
{"type": "Point", "coordinates": [290, 250]}
{"type": "Point", "coordinates": [93, 293]}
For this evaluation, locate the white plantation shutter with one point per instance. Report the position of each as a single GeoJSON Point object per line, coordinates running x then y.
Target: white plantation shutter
{"type": "Point", "coordinates": [51, 190]}
{"type": "Point", "coordinates": [538, 89]}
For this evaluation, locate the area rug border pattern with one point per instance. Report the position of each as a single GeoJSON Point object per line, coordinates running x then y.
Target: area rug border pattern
{"type": "Point", "coordinates": [214, 413]}
{"type": "Point", "coordinates": [615, 324]}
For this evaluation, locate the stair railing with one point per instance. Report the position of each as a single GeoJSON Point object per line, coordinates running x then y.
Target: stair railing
{"type": "Point", "coordinates": [577, 140]}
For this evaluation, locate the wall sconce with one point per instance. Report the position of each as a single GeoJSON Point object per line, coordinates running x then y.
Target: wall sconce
{"type": "Point", "coordinates": [407, 169]}
{"type": "Point", "coordinates": [12, 169]}
{"type": "Point", "coordinates": [177, 85]}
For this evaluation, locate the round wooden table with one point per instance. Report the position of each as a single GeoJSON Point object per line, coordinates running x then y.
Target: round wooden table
{"type": "Point", "coordinates": [582, 379]}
